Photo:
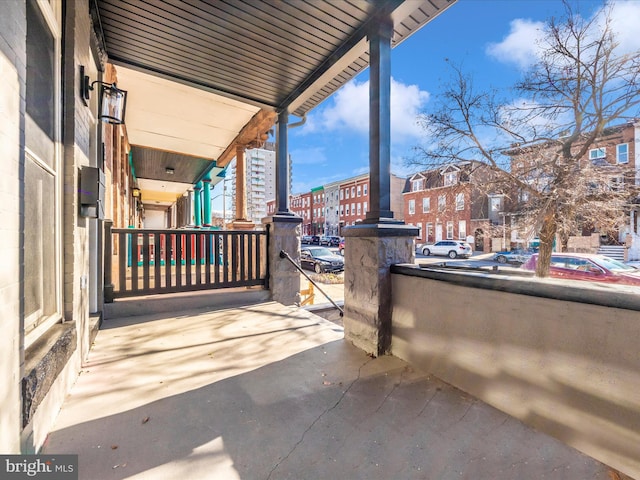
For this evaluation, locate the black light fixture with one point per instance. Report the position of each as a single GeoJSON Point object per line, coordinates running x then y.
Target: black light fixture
{"type": "Point", "coordinates": [113, 101]}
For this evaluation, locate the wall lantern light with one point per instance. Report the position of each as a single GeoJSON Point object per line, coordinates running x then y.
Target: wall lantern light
{"type": "Point", "coordinates": [135, 192]}
{"type": "Point", "coordinates": [113, 101]}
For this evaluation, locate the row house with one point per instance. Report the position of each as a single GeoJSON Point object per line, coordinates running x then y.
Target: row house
{"type": "Point", "coordinates": [445, 203]}
{"type": "Point", "coordinates": [328, 209]}
{"type": "Point", "coordinates": [318, 226]}
{"type": "Point", "coordinates": [613, 159]}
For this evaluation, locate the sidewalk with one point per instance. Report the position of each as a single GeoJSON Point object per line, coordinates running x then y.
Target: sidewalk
{"type": "Point", "coordinates": [266, 392]}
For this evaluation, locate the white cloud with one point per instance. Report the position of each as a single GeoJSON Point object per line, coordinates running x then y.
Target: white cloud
{"type": "Point", "coordinates": [520, 46]}
{"type": "Point", "coordinates": [624, 23]}
{"type": "Point", "coordinates": [349, 111]}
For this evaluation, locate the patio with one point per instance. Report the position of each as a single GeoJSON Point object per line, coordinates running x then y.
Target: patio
{"type": "Point", "coordinates": [250, 389]}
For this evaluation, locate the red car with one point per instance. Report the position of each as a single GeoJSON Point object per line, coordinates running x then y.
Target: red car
{"type": "Point", "coordinates": [592, 268]}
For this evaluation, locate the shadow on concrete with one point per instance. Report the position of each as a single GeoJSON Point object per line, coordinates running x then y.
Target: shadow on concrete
{"type": "Point", "coordinates": [272, 393]}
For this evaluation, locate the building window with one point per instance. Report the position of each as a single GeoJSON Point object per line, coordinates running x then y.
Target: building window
{"type": "Point", "coordinates": [616, 184]}
{"type": "Point", "coordinates": [364, 189]}
{"type": "Point", "coordinates": [353, 209]}
{"type": "Point", "coordinates": [449, 230]}
{"type": "Point", "coordinates": [462, 229]}
{"type": "Point", "coordinates": [346, 193]}
{"type": "Point", "coordinates": [359, 208]}
{"type": "Point", "coordinates": [420, 231]}
{"type": "Point", "coordinates": [429, 231]}
{"type": "Point", "coordinates": [342, 210]}
{"type": "Point", "coordinates": [416, 186]}
{"type": "Point", "coordinates": [442, 203]}
{"type": "Point", "coordinates": [426, 205]}
{"type": "Point", "coordinates": [353, 192]}
{"type": "Point", "coordinates": [596, 153]}
{"type": "Point", "coordinates": [496, 204]}
{"type": "Point", "coordinates": [341, 194]}
{"type": "Point", "coordinates": [347, 210]}
{"type": "Point", "coordinates": [359, 190]}
{"type": "Point", "coordinates": [412, 207]}
{"type": "Point", "coordinates": [460, 201]}
{"type": "Point", "coordinates": [450, 178]}
{"type": "Point", "coordinates": [364, 208]}
{"type": "Point", "coordinates": [42, 172]}
{"type": "Point", "coordinates": [622, 153]}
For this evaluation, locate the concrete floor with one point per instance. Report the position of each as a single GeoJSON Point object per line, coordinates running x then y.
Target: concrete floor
{"type": "Point", "coordinates": [263, 391]}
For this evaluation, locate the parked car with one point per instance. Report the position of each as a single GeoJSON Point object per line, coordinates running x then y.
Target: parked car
{"type": "Point", "coordinates": [517, 256]}
{"type": "Point", "coordinates": [341, 246]}
{"type": "Point", "coordinates": [450, 248]}
{"type": "Point", "coordinates": [330, 241]}
{"type": "Point", "coordinates": [315, 240]}
{"type": "Point", "coordinates": [592, 268]}
{"type": "Point", "coordinates": [306, 240]}
{"type": "Point", "coordinates": [321, 259]}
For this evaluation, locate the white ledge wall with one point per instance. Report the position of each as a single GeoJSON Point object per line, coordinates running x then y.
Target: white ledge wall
{"type": "Point", "coordinates": [569, 369]}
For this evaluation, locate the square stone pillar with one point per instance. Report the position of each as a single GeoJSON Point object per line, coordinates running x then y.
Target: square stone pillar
{"type": "Point", "coordinates": [370, 250]}
{"type": "Point", "coordinates": [284, 278]}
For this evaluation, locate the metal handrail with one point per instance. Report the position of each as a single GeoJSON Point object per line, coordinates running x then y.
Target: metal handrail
{"type": "Point", "coordinates": [284, 254]}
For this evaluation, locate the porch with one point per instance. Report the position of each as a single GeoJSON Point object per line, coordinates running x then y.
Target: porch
{"type": "Point", "coordinates": [238, 387]}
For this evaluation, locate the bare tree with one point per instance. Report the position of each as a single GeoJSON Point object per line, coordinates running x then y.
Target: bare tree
{"type": "Point", "coordinates": [580, 85]}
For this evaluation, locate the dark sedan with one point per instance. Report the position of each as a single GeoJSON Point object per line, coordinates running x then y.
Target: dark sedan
{"type": "Point", "coordinates": [320, 260]}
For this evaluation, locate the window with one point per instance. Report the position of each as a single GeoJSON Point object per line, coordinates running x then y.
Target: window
{"type": "Point", "coordinates": [496, 204]}
{"type": "Point", "coordinates": [412, 207]}
{"type": "Point", "coordinates": [426, 205]}
{"type": "Point", "coordinates": [364, 189]}
{"type": "Point", "coordinates": [364, 208]}
{"type": "Point", "coordinates": [462, 229]}
{"type": "Point", "coordinates": [359, 190]}
{"type": "Point", "coordinates": [341, 194]}
{"type": "Point", "coordinates": [450, 178]}
{"type": "Point", "coordinates": [346, 193]}
{"type": "Point", "coordinates": [416, 185]}
{"type": "Point", "coordinates": [42, 172]}
{"type": "Point", "coordinates": [353, 192]}
{"type": "Point", "coordinates": [622, 153]}
{"type": "Point", "coordinates": [420, 231]}
{"type": "Point", "coordinates": [595, 153]}
{"type": "Point", "coordinates": [460, 201]}
{"type": "Point", "coordinates": [353, 209]}
{"type": "Point", "coordinates": [449, 230]}
{"type": "Point", "coordinates": [347, 210]}
{"type": "Point", "coordinates": [616, 184]}
{"type": "Point", "coordinates": [442, 203]}
{"type": "Point", "coordinates": [341, 210]}
{"type": "Point", "coordinates": [359, 208]}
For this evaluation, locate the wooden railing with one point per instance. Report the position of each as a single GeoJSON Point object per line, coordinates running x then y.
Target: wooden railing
{"type": "Point", "coordinates": [147, 262]}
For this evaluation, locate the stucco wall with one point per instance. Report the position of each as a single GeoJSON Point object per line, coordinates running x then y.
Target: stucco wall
{"type": "Point", "coordinates": [568, 368]}
{"type": "Point", "coordinates": [12, 82]}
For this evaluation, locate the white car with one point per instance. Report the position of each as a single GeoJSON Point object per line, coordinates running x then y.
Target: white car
{"type": "Point", "coordinates": [449, 248]}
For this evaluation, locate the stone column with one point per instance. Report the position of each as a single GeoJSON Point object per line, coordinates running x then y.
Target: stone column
{"type": "Point", "coordinates": [380, 241]}
{"type": "Point", "coordinates": [284, 278]}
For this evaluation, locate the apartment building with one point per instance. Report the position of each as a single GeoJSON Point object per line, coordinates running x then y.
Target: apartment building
{"type": "Point", "coordinates": [260, 183]}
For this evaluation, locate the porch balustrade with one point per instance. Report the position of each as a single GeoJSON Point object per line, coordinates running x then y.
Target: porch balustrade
{"type": "Point", "coordinates": [145, 262]}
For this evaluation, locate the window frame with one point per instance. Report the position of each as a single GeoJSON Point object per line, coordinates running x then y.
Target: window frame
{"type": "Point", "coordinates": [626, 153]}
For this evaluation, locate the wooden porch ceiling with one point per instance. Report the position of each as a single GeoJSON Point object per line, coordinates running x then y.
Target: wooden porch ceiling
{"type": "Point", "coordinates": [199, 71]}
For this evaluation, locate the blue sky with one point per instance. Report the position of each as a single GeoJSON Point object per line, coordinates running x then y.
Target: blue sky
{"type": "Point", "coordinates": [492, 39]}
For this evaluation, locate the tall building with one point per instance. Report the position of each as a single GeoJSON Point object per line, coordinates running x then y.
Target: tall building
{"type": "Point", "coordinates": [260, 166]}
